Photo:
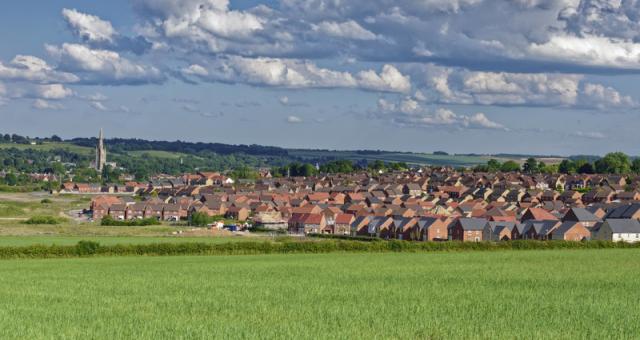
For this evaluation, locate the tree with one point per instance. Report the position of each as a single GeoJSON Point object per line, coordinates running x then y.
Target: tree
{"type": "Point", "coordinates": [635, 166]}
{"type": "Point", "coordinates": [493, 165]}
{"type": "Point", "coordinates": [11, 179]}
{"type": "Point", "coordinates": [614, 163]}
{"type": "Point", "coordinates": [510, 166]}
{"type": "Point", "coordinates": [567, 167]}
{"type": "Point", "coordinates": [530, 166]}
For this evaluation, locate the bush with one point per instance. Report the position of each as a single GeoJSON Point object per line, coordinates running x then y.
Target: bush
{"type": "Point", "coordinates": [44, 220]}
{"type": "Point", "coordinates": [46, 201]}
{"type": "Point", "coordinates": [84, 248]}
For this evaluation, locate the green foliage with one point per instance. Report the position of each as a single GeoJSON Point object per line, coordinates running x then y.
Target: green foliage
{"type": "Point", "coordinates": [530, 166]}
{"type": "Point", "coordinates": [44, 220]}
{"type": "Point", "coordinates": [198, 219]}
{"type": "Point", "coordinates": [46, 201]}
{"type": "Point", "coordinates": [338, 167]}
{"type": "Point", "coordinates": [84, 248]}
{"type": "Point", "coordinates": [110, 221]}
{"type": "Point", "coordinates": [510, 166]}
{"type": "Point", "coordinates": [613, 163]}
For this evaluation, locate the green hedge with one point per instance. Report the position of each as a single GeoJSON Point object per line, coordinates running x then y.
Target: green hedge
{"type": "Point", "coordinates": [45, 220]}
{"type": "Point", "coordinates": [89, 248]}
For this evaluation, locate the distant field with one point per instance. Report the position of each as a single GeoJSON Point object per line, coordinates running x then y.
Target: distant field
{"type": "Point", "coordinates": [49, 146]}
{"type": "Point", "coordinates": [584, 294]}
{"type": "Point", "coordinates": [410, 158]}
{"type": "Point", "coordinates": [157, 154]}
{"type": "Point", "coordinates": [24, 205]}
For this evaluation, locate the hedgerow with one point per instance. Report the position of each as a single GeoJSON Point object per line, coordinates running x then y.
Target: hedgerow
{"type": "Point", "coordinates": [89, 248]}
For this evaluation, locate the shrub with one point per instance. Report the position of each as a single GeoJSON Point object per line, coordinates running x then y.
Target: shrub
{"type": "Point", "coordinates": [84, 248]}
{"type": "Point", "coordinates": [44, 220]}
{"type": "Point", "coordinates": [46, 201]}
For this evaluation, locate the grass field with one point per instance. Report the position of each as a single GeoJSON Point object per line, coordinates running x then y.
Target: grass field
{"type": "Point", "coordinates": [586, 294]}
{"type": "Point", "coordinates": [409, 158]}
{"type": "Point", "coordinates": [158, 154]}
{"type": "Point", "coordinates": [49, 146]}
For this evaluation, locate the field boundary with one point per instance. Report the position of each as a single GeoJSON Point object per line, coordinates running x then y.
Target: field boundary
{"type": "Point", "coordinates": [91, 248]}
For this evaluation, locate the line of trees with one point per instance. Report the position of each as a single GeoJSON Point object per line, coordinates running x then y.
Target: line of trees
{"type": "Point", "coordinates": [612, 163]}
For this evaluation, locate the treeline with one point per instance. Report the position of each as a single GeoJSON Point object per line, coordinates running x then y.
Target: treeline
{"type": "Point", "coordinates": [18, 139]}
{"type": "Point", "coordinates": [286, 246]}
{"type": "Point", "coordinates": [122, 145]}
{"type": "Point", "coordinates": [612, 163]}
{"type": "Point", "coordinates": [334, 167]}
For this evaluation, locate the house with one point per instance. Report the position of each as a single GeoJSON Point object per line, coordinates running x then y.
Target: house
{"type": "Point", "coordinates": [617, 230]}
{"type": "Point", "coordinates": [360, 225]}
{"type": "Point", "coordinates": [237, 213]}
{"type": "Point", "coordinates": [171, 212]}
{"type": "Point", "coordinates": [468, 229]}
{"type": "Point", "coordinates": [537, 214]}
{"type": "Point", "coordinates": [412, 189]}
{"type": "Point", "coordinates": [379, 226]}
{"type": "Point", "coordinates": [630, 211]}
{"type": "Point", "coordinates": [538, 230]}
{"type": "Point", "coordinates": [571, 231]}
{"type": "Point", "coordinates": [307, 223]}
{"type": "Point", "coordinates": [403, 228]}
{"type": "Point", "coordinates": [118, 212]}
{"type": "Point", "coordinates": [342, 224]}
{"type": "Point", "coordinates": [582, 215]}
{"type": "Point", "coordinates": [433, 229]}
{"type": "Point", "coordinates": [498, 231]}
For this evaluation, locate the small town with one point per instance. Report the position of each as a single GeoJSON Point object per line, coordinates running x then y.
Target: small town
{"type": "Point", "coordinates": [319, 169]}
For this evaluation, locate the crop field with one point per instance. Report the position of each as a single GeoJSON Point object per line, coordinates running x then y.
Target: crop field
{"type": "Point", "coordinates": [48, 146]}
{"type": "Point", "coordinates": [566, 294]}
{"type": "Point", "coordinates": [409, 158]}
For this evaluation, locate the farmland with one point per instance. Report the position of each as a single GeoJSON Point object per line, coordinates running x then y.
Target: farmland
{"type": "Point", "coordinates": [526, 294]}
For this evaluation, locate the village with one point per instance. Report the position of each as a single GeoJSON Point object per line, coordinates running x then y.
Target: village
{"type": "Point", "coordinates": [427, 204]}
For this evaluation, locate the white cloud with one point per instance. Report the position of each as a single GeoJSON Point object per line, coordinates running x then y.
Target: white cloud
{"type": "Point", "coordinates": [347, 30]}
{"type": "Point", "coordinates": [53, 91]}
{"type": "Point", "coordinates": [99, 106]}
{"type": "Point", "coordinates": [103, 66]}
{"type": "Point", "coordinates": [42, 104]}
{"type": "Point", "coordinates": [89, 27]}
{"type": "Point", "coordinates": [409, 113]}
{"type": "Point", "coordinates": [293, 73]}
{"type": "Point", "coordinates": [97, 97]}
{"type": "Point", "coordinates": [459, 86]}
{"type": "Point", "coordinates": [284, 100]}
{"type": "Point", "coordinates": [294, 120]}
{"type": "Point", "coordinates": [589, 134]}
{"type": "Point", "coordinates": [30, 68]}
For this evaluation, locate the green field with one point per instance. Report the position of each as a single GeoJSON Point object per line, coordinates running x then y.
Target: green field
{"type": "Point", "coordinates": [48, 146]}
{"type": "Point", "coordinates": [585, 294]}
{"type": "Point", "coordinates": [158, 154]}
{"type": "Point", "coordinates": [409, 158]}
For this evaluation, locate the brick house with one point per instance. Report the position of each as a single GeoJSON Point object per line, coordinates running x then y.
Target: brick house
{"type": "Point", "coordinates": [468, 229]}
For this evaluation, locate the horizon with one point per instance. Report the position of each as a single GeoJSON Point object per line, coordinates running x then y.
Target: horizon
{"type": "Point", "coordinates": [288, 74]}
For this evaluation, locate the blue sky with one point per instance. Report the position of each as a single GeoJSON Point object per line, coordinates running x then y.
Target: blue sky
{"type": "Point", "coordinates": [483, 76]}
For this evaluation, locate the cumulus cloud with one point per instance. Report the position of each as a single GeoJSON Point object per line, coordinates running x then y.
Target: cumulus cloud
{"type": "Point", "coordinates": [89, 27]}
{"type": "Point", "coordinates": [409, 113]}
{"type": "Point", "coordinates": [460, 86]}
{"type": "Point", "coordinates": [103, 66]}
{"type": "Point", "coordinates": [100, 33]}
{"type": "Point", "coordinates": [41, 104]}
{"type": "Point", "coordinates": [347, 30]}
{"type": "Point", "coordinates": [294, 120]}
{"type": "Point", "coordinates": [33, 69]}
{"type": "Point", "coordinates": [53, 91]}
{"type": "Point", "coordinates": [291, 73]}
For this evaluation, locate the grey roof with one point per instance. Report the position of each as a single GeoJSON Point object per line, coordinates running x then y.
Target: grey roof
{"type": "Point", "coordinates": [625, 211]}
{"type": "Point", "coordinates": [623, 225]}
{"type": "Point", "coordinates": [564, 227]}
{"type": "Point", "coordinates": [472, 223]}
{"type": "Point", "coordinates": [541, 227]}
{"type": "Point", "coordinates": [580, 215]}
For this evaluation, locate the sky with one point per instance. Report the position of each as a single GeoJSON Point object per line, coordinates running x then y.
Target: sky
{"type": "Point", "coordinates": [554, 77]}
